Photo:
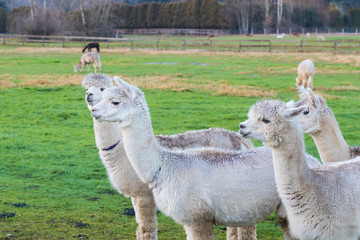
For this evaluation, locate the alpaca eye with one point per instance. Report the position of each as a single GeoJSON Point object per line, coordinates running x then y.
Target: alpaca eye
{"type": "Point", "coordinates": [306, 112]}
{"type": "Point", "coordinates": [115, 103]}
{"type": "Point", "coordinates": [102, 89]}
{"type": "Point", "coordinates": [266, 120]}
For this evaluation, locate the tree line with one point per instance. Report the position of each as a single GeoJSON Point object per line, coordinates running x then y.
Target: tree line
{"type": "Point", "coordinates": [242, 16]}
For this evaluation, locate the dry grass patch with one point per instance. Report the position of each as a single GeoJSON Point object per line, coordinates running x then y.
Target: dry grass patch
{"type": "Point", "coordinates": [177, 84]}
{"type": "Point", "coordinates": [337, 88]}
{"type": "Point", "coordinates": [223, 88]}
{"type": "Point", "coordinates": [46, 80]}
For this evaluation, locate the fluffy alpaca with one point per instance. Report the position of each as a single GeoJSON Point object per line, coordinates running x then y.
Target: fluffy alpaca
{"type": "Point", "coordinates": [198, 187]}
{"type": "Point", "coordinates": [118, 166]}
{"type": "Point", "coordinates": [320, 38]}
{"type": "Point", "coordinates": [319, 121]}
{"type": "Point", "coordinates": [89, 46]}
{"type": "Point", "coordinates": [87, 59]}
{"type": "Point", "coordinates": [306, 72]}
{"type": "Point", "coordinates": [322, 202]}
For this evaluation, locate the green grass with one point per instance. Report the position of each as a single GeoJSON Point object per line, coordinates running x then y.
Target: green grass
{"type": "Point", "coordinates": [48, 157]}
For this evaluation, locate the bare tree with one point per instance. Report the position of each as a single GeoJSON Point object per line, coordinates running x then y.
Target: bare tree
{"type": "Point", "coordinates": [82, 14]}
{"type": "Point", "coordinates": [240, 10]}
{"type": "Point", "coordinates": [279, 12]}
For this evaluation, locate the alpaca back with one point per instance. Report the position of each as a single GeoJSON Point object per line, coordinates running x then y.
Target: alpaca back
{"type": "Point", "coordinates": [212, 137]}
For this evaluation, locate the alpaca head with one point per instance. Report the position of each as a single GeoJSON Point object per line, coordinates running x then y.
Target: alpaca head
{"type": "Point", "coordinates": [316, 109]}
{"type": "Point", "coordinates": [118, 104]}
{"type": "Point", "coordinates": [269, 121]}
{"type": "Point", "coordinates": [76, 68]}
{"type": "Point", "coordinates": [95, 84]}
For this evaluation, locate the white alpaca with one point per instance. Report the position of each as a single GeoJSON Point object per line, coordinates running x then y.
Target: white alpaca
{"type": "Point", "coordinates": [306, 72]}
{"type": "Point", "coordinates": [319, 121]}
{"type": "Point", "coordinates": [197, 188]}
{"type": "Point", "coordinates": [322, 202]}
{"type": "Point", "coordinates": [280, 35]}
{"type": "Point", "coordinates": [122, 175]}
{"type": "Point", "coordinates": [87, 59]}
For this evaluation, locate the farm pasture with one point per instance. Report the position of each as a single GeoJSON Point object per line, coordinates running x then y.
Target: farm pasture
{"type": "Point", "coordinates": [51, 176]}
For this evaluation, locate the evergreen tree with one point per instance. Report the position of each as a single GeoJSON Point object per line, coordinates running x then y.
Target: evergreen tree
{"type": "Point", "coordinates": [153, 15]}
{"type": "Point", "coordinates": [3, 16]}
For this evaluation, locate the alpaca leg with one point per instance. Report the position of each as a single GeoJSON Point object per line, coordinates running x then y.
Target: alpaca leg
{"type": "Point", "coordinates": [145, 213]}
{"type": "Point", "coordinates": [298, 81]}
{"type": "Point", "coordinates": [310, 82]}
{"type": "Point", "coordinates": [231, 233]}
{"type": "Point", "coordinates": [200, 232]}
{"type": "Point", "coordinates": [95, 67]}
{"type": "Point", "coordinates": [246, 233]}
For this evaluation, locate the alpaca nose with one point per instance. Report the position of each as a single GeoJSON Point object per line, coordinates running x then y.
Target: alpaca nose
{"type": "Point", "coordinates": [242, 125]}
{"type": "Point", "coordinates": [89, 97]}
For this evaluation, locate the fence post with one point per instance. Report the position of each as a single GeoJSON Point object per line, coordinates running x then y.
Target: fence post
{"type": "Point", "coordinates": [63, 43]}
{"type": "Point", "coordinates": [107, 45]}
{"type": "Point", "coordinates": [240, 46]}
{"type": "Point", "coordinates": [131, 44]}
{"type": "Point", "coordinates": [270, 46]}
{"type": "Point", "coordinates": [157, 45]}
{"type": "Point", "coordinates": [334, 46]}
{"type": "Point", "coordinates": [23, 41]}
{"type": "Point", "coordinates": [184, 45]}
{"type": "Point", "coordinates": [43, 42]}
{"type": "Point", "coordinates": [301, 46]}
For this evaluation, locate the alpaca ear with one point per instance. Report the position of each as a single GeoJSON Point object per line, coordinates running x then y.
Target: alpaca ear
{"type": "Point", "coordinates": [314, 98]}
{"type": "Point", "coordinates": [290, 104]}
{"type": "Point", "coordinates": [303, 92]}
{"type": "Point", "coordinates": [122, 84]}
{"type": "Point", "coordinates": [293, 112]}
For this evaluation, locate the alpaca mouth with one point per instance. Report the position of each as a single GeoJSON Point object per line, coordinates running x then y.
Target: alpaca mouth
{"type": "Point", "coordinates": [244, 134]}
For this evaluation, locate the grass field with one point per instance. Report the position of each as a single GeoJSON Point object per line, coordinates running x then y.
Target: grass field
{"type": "Point", "coordinates": [52, 182]}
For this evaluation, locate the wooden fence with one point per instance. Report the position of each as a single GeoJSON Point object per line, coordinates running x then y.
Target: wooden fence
{"type": "Point", "coordinates": [204, 44]}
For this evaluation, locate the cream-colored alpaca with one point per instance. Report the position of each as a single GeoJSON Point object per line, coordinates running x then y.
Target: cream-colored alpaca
{"type": "Point", "coordinates": [197, 188]}
{"type": "Point", "coordinates": [306, 72]}
{"type": "Point", "coordinates": [87, 59]}
{"type": "Point", "coordinates": [322, 202]}
{"type": "Point", "coordinates": [122, 175]}
{"type": "Point", "coordinates": [319, 121]}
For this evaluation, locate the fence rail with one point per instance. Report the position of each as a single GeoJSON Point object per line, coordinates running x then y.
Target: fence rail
{"type": "Point", "coordinates": [204, 44]}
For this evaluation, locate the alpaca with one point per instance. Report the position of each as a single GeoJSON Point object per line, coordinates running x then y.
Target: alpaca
{"type": "Point", "coordinates": [322, 202]}
{"type": "Point", "coordinates": [320, 38]}
{"type": "Point", "coordinates": [306, 72]}
{"type": "Point", "coordinates": [196, 187]}
{"type": "Point", "coordinates": [319, 121]}
{"type": "Point", "coordinates": [118, 166]}
{"type": "Point", "coordinates": [92, 45]}
{"type": "Point", "coordinates": [87, 59]}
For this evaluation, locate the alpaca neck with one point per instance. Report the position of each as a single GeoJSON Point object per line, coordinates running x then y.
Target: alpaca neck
{"type": "Point", "coordinates": [141, 146]}
{"type": "Point", "coordinates": [107, 135]}
{"type": "Point", "coordinates": [290, 163]}
{"type": "Point", "coordinates": [330, 143]}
